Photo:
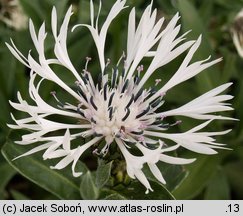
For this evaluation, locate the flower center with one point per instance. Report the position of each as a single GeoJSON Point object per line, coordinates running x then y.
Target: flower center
{"type": "Point", "coordinates": [113, 113]}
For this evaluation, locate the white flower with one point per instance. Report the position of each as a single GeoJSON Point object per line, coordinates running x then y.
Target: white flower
{"type": "Point", "coordinates": [117, 108]}
{"type": "Point", "coordinates": [12, 14]}
{"type": "Point", "coordinates": [237, 33]}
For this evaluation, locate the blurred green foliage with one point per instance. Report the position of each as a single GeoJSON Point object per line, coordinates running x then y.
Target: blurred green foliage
{"type": "Point", "coordinates": [210, 177]}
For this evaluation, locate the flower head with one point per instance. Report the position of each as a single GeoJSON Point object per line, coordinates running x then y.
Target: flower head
{"type": "Point", "coordinates": [116, 108]}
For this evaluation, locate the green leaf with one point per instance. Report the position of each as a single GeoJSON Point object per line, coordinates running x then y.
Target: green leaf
{"type": "Point", "coordinates": [238, 105]}
{"type": "Point", "coordinates": [166, 6]}
{"type": "Point", "coordinates": [88, 190]}
{"type": "Point", "coordinates": [191, 20]}
{"type": "Point", "coordinates": [173, 174]}
{"type": "Point", "coordinates": [106, 194]}
{"type": "Point", "coordinates": [218, 187]}
{"type": "Point", "coordinates": [235, 176]}
{"type": "Point", "coordinates": [84, 12]}
{"type": "Point", "coordinates": [231, 5]}
{"type": "Point", "coordinates": [115, 196]}
{"type": "Point", "coordinates": [206, 10]}
{"type": "Point", "coordinates": [60, 183]}
{"type": "Point", "coordinates": [198, 177]}
{"type": "Point", "coordinates": [135, 190]}
{"type": "Point", "coordinates": [194, 22]}
{"type": "Point", "coordinates": [7, 172]}
{"type": "Point", "coordinates": [103, 173]}
{"type": "Point", "coordinates": [229, 66]}
{"type": "Point", "coordinates": [60, 6]}
{"type": "Point", "coordinates": [18, 196]}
